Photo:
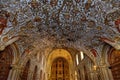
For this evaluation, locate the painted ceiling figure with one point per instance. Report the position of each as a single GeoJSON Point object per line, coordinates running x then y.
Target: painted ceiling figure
{"type": "Point", "coordinates": [113, 43]}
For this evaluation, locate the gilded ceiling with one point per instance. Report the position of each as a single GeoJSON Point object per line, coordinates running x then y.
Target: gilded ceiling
{"type": "Point", "coordinates": [50, 23]}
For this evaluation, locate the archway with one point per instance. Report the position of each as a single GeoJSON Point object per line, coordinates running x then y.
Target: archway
{"type": "Point", "coordinates": [6, 59]}
{"type": "Point", "coordinates": [25, 71]}
{"type": "Point", "coordinates": [60, 69]}
{"type": "Point", "coordinates": [114, 61]}
{"type": "Point", "coordinates": [55, 56]}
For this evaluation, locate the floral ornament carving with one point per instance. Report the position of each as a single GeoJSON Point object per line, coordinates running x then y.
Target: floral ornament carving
{"type": "Point", "coordinates": [62, 22]}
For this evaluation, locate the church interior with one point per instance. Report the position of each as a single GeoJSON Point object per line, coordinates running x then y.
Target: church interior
{"type": "Point", "coordinates": [59, 39]}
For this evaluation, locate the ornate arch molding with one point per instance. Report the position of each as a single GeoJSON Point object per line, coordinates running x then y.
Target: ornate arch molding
{"type": "Point", "coordinates": [89, 55]}
{"type": "Point", "coordinates": [56, 53]}
{"type": "Point", "coordinates": [15, 53]}
{"type": "Point", "coordinates": [110, 53]}
{"type": "Point", "coordinates": [23, 60]}
{"type": "Point", "coordinates": [106, 48]}
{"type": "Point", "coordinates": [18, 63]}
{"type": "Point", "coordinates": [106, 51]}
{"type": "Point", "coordinates": [73, 51]}
{"type": "Point", "coordinates": [6, 59]}
{"type": "Point", "coordinates": [114, 62]}
{"type": "Point", "coordinates": [87, 52]}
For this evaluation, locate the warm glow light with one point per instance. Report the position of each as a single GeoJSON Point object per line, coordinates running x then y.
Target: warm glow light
{"type": "Point", "coordinates": [75, 75]}
{"type": "Point", "coordinates": [95, 67]}
{"type": "Point", "coordinates": [82, 55]}
{"type": "Point", "coordinates": [77, 60]}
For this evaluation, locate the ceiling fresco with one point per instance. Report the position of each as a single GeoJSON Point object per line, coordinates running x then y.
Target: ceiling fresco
{"type": "Point", "coordinates": [50, 23]}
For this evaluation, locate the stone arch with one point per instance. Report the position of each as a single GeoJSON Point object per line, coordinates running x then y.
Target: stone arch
{"type": "Point", "coordinates": [114, 59]}
{"type": "Point", "coordinates": [110, 54]}
{"type": "Point", "coordinates": [18, 64]}
{"type": "Point", "coordinates": [104, 54]}
{"type": "Point", "coordinates": [55, 54]}
{"type": "Point", "coordinates": [15, 53]}
{"type": "Point", "coordinates": [25, 71]}
{"type": "Point", "coordinates": [60, 69]}
{"type": "Point", "coordinates": [88, 53]}
{"type": "Point", "coordinates": [85, 69]}
{"type": "Point", "coordinates": [72, 52]}
{"type": "Point", "coordinates": [106, 72]}
{"type": "Point", "coordinates": [76, 49]}
{"type": "Point", "coordinates": [6, 59]}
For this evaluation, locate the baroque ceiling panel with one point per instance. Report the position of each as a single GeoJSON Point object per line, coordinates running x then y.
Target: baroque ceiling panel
{"type": "Point", "coordinates": [42, 23]}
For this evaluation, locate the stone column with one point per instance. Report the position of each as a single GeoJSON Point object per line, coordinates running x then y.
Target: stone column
{"type": "Point", "coordinates": [82, 74]}
{"type": "Point", "coordinates": [15, 72]}
{"type": "Point", "coordinates": [105, 72]}
{"type": "Point", "coordinates": [91, 75]}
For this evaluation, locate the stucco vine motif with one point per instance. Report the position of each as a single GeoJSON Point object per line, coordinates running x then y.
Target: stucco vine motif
{"type": "Point", "coordinates": [60, 22]}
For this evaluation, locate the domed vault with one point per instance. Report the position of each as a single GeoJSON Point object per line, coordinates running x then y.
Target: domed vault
{"type": "Point", "coordinates": [40, 31]}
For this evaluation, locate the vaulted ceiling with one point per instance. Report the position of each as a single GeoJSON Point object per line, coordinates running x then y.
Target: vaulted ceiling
{"type": "Point", "coordinates": [53, 23]}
